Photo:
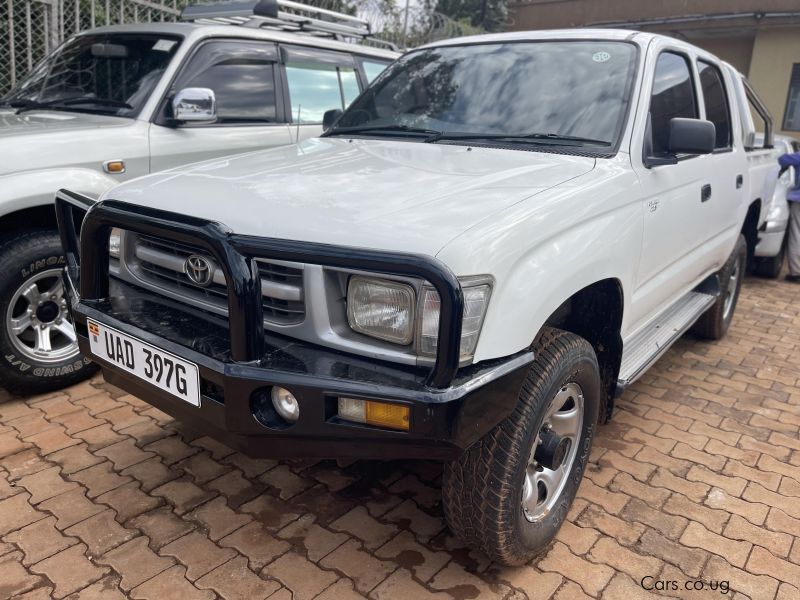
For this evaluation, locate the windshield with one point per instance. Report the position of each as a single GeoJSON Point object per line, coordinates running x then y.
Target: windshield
{"type": "Point", "coordinates": [105, 74]}
{"type": "Point", "coordinates": [575, 92]}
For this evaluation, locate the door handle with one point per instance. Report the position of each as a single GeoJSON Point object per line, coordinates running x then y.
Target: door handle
{"type": "Point", "coordinates": [739, 181]}
{"type": "Point", "coordinates": [705, 193]}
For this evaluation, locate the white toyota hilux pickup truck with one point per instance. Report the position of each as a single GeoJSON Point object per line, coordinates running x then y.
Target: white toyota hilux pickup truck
{"type": "Point", "coordinates": [119, 102]}
{"type": "Point", "coordinates": [494, 240]}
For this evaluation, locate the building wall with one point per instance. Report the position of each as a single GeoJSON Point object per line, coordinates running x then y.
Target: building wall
{"type": "Point", "coordinates": [734, 50]}
{"type": "Point", "coordinates": [774, 53]}
{"type": "Point", "coordinates": [551, 14]}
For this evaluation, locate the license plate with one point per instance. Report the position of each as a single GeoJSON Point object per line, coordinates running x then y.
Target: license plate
{"type": "Point", "coordinates": [155, 366]}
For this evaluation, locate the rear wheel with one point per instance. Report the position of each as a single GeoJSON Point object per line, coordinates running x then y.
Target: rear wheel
{"type": "Point", "coordinates": [509, 492]}
{"type": "Point", "coordinates": [771, 267]}
{"type": "Point", "coordinates": [716, 321]}
{"type": "Point", "coordinates": [38, 348]}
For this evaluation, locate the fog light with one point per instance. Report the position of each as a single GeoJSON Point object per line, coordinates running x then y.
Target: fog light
{"type": "Point", "coordinates": [285, 404]}
{"type": "Point", "coordinates": [379, 414]}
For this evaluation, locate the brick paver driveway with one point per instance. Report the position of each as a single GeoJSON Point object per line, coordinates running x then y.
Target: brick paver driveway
{"type": "Point", "coordinates": [697, 478]}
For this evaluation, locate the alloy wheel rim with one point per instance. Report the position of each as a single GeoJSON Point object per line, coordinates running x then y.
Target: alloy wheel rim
{"type": "Point", "coordinates": [733, 286]}
{"type": "Point", "coordinates": [38, 321]}
{"type": "Point", "coordinates": [543, 486]}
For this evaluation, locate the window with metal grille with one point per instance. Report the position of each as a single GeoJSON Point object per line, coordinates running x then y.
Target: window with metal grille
{"type": "Point", "coordinates": [791, 116]}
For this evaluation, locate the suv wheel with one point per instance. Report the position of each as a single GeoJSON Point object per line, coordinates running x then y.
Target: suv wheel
{"type": "Point", "coordinates": [715, 322]}
{"type": "Point", "coordinates": [38, 348]}
{"type": "Point", "coordinates": [509, 492]}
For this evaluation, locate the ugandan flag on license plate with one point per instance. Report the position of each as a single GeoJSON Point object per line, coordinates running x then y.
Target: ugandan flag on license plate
{"type": "Point", "coordinates": [94, 330]}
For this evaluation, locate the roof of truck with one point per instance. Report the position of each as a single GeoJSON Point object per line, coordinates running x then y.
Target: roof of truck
{"type": "Point", "coordinates": [200, 30]}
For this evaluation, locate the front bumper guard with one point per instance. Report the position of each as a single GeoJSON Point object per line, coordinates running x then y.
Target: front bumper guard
{"type": "Point", "coordinates": [450, 408]}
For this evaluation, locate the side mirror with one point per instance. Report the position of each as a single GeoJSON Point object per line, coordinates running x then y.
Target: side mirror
{"type": "Point", "coordinates": [691, 136]}
{"type": "Point", "coordinates": [195, 105]}
{"type": "Point", "coordinates": [329, 118]}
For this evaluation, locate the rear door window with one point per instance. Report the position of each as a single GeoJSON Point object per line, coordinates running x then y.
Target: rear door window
{"type": "Point", "coordinates": [715, 101]}
{"type": "Point", "coordinates": [373, 68]}
{"type": "Point", "coordinates": [318, 81]}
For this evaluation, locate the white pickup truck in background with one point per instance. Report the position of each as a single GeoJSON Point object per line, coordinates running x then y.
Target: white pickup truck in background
{"type": "Point", "coordinates": [761, 180]}
{"type": "Point", "coordinates": [118, 102]}
{"type": "Point", "coordinates": [770, 253]}
{"type": "Point", "coordinates": [494, 240]}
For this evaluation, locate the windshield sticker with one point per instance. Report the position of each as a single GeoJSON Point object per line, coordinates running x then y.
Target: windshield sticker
{"type": "Point", "coordinates": [164, 45]}
{"type": "Point", "coordinates": [601, 56]}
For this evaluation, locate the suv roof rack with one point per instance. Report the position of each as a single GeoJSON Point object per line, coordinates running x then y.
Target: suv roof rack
{"type": "Point", "coordinates": [284, 15]}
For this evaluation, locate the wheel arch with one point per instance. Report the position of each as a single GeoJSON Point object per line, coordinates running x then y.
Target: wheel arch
{"type": "Point", "coordinates": [41, 216]}
{"type": "Point", "coordinates": [26, 198]}
{"type": "Point", "coordinates": [595, 313]}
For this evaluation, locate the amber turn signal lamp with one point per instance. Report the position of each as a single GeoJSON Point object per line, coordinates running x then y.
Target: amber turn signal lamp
{"type": "Point", "coordinates": [114, 166]}
{"type": "Point", "coordinates": [379, 414]}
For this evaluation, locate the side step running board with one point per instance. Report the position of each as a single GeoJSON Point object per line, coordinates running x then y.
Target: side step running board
{"type": "Point", "coordinates": [647, 346]}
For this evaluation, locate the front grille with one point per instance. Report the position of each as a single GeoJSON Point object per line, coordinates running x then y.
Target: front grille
{"type": "Point", "coordinates": [161, 263]}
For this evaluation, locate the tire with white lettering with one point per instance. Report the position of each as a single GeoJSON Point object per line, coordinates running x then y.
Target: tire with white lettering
{"type": "Point", "coordinates": [38, 349]}
{"type": "Point", "coordinates": [509, 493]}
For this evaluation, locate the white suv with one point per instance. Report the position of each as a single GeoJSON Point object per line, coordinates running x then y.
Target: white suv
{"type": "Point", "coordinates": [118, 102]}
{"type": "Point", "coordinates": [496, 238]}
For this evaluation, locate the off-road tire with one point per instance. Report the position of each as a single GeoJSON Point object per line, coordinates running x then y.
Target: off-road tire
{"type": "Point", "coordinates": [714, 323]}
{"type": "Point", "coordinates": [771, 267]}
{"type": "Point", "coordinates": [482, 490]}
{"type": "Point", "coordinates": [21, 258]}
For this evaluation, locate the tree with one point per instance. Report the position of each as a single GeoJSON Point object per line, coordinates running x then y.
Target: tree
{"type": "Point", "coordinates": [490, 15]}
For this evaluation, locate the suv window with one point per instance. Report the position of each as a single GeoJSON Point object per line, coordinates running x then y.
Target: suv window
{"type": "Point", "coordinates": [242, 75]}
{"type": "Point", "coordinates": [673, 96]}
{"type": "Point", "coordinates": [100, 73]}
{"type": "Point", "coordinates": [318, 87]}
{"type": "Point", "coordinates": [373, 69]}
{"type": "Point", "coordinates": [715, 101]}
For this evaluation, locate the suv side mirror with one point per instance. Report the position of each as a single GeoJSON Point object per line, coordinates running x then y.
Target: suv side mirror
{"type": "Point", "coordinates": [329, 118]}
{"type": "Point", "coordinates": [691, 136]}
{"type": "Point", "coordinates": [195, 105]}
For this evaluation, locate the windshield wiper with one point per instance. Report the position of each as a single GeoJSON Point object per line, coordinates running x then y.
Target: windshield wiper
{"type": "Point", "coordinates": [534, 138]}
{"type": "Point", "coordinates": [388, 129]}
{"type": "Point", "coordinates": [17, 103]}
{"type": "Point", "coordinates": [64, 102]}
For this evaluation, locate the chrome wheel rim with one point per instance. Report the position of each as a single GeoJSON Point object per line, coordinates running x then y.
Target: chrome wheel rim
{"type": "Point", "coordinates": [733, 286]}
{"type": "Point", "coordinates": [38, 321]}
{"type": "Point", "coordinates": [543, 486]}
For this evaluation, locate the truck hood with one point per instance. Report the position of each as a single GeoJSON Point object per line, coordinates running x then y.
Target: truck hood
{"type": "Point", "coordinates": [382, 194]}
{"type": "Point", "coordinates": [41, 139]}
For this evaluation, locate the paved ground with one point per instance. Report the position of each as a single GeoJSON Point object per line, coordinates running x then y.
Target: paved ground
{"type": "Point", "coordinates": [697, 478]}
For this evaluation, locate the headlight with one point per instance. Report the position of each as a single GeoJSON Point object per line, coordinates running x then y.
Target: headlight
{"type": "Point", "coordinates": [476, 300]}
{"type": "Point", "coordinates": [381, 309]}
{"type": "Point", "coordinates": [114, 242]}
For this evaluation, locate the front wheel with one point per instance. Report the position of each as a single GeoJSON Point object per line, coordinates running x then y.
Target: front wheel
{"type": "Point", "coordinates": [509, 493]}
{"type": "Point", "coordinates": [38, 347]}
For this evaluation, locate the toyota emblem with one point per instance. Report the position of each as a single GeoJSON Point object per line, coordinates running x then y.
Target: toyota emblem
{"type": "Point", "coordinates": [198, 270]}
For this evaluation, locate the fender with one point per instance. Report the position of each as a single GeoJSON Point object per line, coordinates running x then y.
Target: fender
{"type": "Point", "coordinates": [29, 189]}
{"type": "Point", "coordinates": [550, 247]}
